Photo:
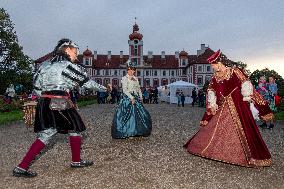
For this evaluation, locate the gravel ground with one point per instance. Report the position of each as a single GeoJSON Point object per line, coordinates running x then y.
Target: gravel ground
{"type": "Point", "coordinates": [158, 161]}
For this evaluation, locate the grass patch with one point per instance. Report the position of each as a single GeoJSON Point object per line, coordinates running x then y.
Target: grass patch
{"type": "Point", "coordinates": [7, 117]}
{"type": "Point", "coordinates": [279, 115]}
{"type": "Point", "coordinates": [16, 115]}
{"type": "Point", "coordinates": [86, 102]}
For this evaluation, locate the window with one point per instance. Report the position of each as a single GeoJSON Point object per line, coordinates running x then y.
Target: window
{"type": "Point", "coordinates": [199, 80]}
{"type": "Point", "coordinates": [173, 73]}
{"type": "Point", "coordinates": [124, 73]}
{"type": "Point", "coordinates": [135, 61]}
{"type": "Point", "coordinates": [164, 82]}
{"type": "Point", "coordinates": [208, 68]}
{"type": "Point", "coordinates": [87, 62]}
{"type": "Point", "coordinates": [90, 72]}
{"type": "Point", "coordinates": [147, 81]}
{"type": "Point", "coordinates": [106, 72]}
{"type": "Point", "coordinates": [98, 72]}
{"type": "Point", "coordinates": [147, 73]}
{"type": "Point", "coordinates": [207, 78]}
{"type": "Point", "coordinates": [106, 81]}
{"type": "Point", "coordinates": [164, 73]}
{"type": "Point", "coordinates": [183, 71]}
{"type": "Point", "coordinates": [99, 81]}
{"type": "Point", "coordinates": [138, 73]}
{"type": "Point", "coordinates": [200, 68]}
{"type": "Point", "coordinates": [183, 62]}
{"type": "Point", "coordinates": [156, 82]}
{"type": "Point", "coordinates": [114, 82]}
{"type": "Point", "coordinates": [173, 80]}
{"type": "Point", "coordinates": [115, 72]}
{"type": "Point", "coordinates": [135, 50]}
{"type": "Point", "coordinates": [155, 73]}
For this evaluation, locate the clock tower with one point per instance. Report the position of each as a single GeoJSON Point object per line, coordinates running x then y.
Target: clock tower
{"type": "Point", "coordinates": [135, 43]}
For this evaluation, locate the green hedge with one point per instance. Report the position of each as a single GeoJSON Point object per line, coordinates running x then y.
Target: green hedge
{"type": "Point", "coordinates": [13, 111]}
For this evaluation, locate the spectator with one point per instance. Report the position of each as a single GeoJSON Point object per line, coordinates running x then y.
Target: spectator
{"type": "Point", "coordinates": [146, 96]}
{"type": "Point", "coordinates": [193, 96]}
{"type": "Point", "coordinates": [155, 95]}
{"type": "Point", "coordinates": [74, 97]}
{"type": "Point", "coordinates": [182, 99]}
{"type": "Point", "coordinates": [178, 94]}
{"type": "Point", "coordinates": [201, 98]}
{"type": "Point", "coordinates": [113, 94]}
{"type": "Point", "coordinates": [150, 95]}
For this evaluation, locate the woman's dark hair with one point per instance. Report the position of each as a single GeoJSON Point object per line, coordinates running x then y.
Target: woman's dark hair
{"type": "Point", "coordinates": [131, 68]}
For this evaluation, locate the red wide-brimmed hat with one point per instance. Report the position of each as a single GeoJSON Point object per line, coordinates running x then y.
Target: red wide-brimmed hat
{"type": "Point", "coordinates": [214, 57]}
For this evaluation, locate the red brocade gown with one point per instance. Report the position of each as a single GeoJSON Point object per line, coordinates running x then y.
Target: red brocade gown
{"type": "Point", "coordinates": [231, 134]}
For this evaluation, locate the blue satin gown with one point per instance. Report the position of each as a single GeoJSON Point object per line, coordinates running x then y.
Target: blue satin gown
{"type": "Point", "coordinates": [131, 119]}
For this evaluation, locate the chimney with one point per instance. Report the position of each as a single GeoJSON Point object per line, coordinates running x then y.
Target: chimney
{"type": "Point", "coordinates": [121, 54]}
{"type": "Point", "coordinates": [95, 55]}
{"type": "Point", "coordinates": [177, 54]}
{"type": "Point", "coordinates": [163, 55]}
{"type": "Point", "coordinates": [202, 49]}
{"type": "Point", "coordinates": [150, 54]}
{"type": "Point", "coordinates": [109, 55]}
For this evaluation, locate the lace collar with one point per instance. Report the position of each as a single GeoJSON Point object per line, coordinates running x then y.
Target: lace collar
{"type": "Point", "coordinates": [132, 78]}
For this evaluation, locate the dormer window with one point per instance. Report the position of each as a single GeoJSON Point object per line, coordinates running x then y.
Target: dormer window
{"type": "Point", "coordinates": [87, 62]}
{"type": "Point", "coordinates": [183, 62]}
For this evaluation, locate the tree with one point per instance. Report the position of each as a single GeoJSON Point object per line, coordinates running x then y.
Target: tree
{"type": "Point", "coordinates": [268, 73]}
{"type": "Point", "coordinates": [15, 67]}
{"type": "Point", "coordinates": [238, 64]}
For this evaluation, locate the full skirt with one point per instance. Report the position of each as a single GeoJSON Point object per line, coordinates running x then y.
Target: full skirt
{"type": "Point", "coordinates": [131, 119]}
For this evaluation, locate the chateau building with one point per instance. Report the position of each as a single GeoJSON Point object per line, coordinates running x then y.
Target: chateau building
{"type": "Point", "coordinates": [152, 70]}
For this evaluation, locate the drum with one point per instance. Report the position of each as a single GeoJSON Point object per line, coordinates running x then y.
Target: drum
{"type": "Point", "coordinates": [29, 109]}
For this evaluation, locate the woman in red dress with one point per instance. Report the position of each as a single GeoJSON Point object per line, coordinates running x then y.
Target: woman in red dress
{"type": "Point", "coordinates": [228, 130]}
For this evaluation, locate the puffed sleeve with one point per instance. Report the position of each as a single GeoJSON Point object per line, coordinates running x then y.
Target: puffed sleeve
{"type": "Point", "coordinates": [212, 99]}
{"type": "Point", "coordinates": [247, 90]}
{"type": "Point", "coordinates": [125, 83]}
{"type": "Point", "coordinates": [139, 90]}
{"type": "Point", "coordinates": [77, 74]}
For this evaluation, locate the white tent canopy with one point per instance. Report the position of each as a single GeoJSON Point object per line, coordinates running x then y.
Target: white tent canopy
{"type": "Point", "coordinates": [169, 92]}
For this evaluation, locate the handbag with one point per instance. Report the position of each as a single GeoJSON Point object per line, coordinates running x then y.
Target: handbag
{"type": "Point", "coordinates": [60, 104]}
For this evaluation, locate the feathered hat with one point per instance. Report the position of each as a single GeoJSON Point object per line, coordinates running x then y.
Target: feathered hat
{"type": "Point", "coordinates": [131, 65]}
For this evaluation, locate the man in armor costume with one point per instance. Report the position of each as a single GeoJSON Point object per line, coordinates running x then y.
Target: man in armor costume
{"type": "Point", "coordinates": [55, 112]}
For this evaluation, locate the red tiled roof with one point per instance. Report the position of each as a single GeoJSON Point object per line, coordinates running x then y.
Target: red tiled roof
{"type": "Point", "coordinates": [114, 62]}
{"type": "Point", "coordinates": [87, 52]}
{"type": "Point", "coordinates": [169, 62]}
{"type": "Point", "coordinates": [44, 58]}
{"type": "Point", "coordinates": [202, 59]}
{"type": "Point", "coordinates": [135, 35]}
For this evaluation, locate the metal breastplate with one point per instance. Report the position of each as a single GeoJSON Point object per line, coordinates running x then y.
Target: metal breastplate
{"type": "Point", "coordinates": [49, 77]}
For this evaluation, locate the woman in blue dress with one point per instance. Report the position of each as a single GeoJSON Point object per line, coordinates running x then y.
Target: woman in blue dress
{"type": "Point", "coordinates": [131, 118]}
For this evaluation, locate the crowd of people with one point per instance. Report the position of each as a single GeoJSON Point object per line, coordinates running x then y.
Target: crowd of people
{"type": "Point", "coordinates": [196, 98]}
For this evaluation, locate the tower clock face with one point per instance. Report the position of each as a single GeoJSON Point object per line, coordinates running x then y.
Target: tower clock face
{"type": "Point", "coordinates": [135, 41]}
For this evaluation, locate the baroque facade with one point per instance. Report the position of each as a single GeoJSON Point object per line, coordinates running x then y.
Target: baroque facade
{"type": "Point", "coordinates": [152, 70]}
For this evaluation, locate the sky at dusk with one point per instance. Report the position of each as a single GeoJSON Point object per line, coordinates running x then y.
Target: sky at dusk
{"type": "Point", "coordinates": [250, 31]}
